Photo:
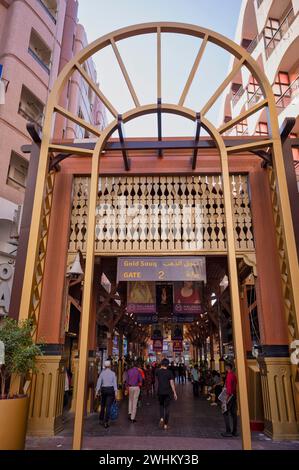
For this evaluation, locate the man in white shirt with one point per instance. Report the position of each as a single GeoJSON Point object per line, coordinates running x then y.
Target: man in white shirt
{"type": "Point", "coordinates": [107, 387]}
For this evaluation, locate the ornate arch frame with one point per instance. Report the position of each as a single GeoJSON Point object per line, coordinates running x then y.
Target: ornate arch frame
{"type": "Point", "coordinates": [32, 286]}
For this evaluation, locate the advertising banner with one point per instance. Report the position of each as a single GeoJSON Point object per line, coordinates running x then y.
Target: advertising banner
{"type": "Point", "coordinates": [177, 346]}
{"type": "Point", "coordinates": [177, 332]}
{"type": "Point", "coordinates": [187, 298]}
{"type": "Point", "coordinates": [141, 297]}
{"type": "Point", "coordinates": [158, 344]}
{"type": "Point", "coordinates": [157, 332]}
{"type": "Point", "coordinates": [181, 268]}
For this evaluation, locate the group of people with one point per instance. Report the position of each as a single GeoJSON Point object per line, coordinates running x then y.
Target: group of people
{"type": "Point", "coordinates": [161, 379]}
{"type": "Point", "coordinates": [179, 371]}
{"type": "Point", "coordinates": [136, 378]}
{"type": "Point", "coordinates": [202, 378]}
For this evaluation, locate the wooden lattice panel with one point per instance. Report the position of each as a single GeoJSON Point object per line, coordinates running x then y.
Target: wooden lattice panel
{"type": "Point", "coordinates": [284, 267]}
{"type": "Point", "coordinates": [40, 261]}
{"type": "Point", "coordinates": [161, 214]}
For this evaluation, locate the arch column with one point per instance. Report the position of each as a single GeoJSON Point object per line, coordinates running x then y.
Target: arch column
{"type": "Point", "coordinates": [38, 234]}
{"type": "Point", "coordinates": [274, 362]}
{"type": "Point", "coordinates": [47, 391]}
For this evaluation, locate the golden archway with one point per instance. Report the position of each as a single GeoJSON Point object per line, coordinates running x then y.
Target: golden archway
{"type": "Point", "coordinates": [32, 287]}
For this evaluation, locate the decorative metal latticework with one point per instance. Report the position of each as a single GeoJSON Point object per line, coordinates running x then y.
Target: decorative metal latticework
{"type": "Point", "coordinates": [161, 214]}
{"type": "Point", "coordinates": [42, 250]}
{"type": "Point", "coordinates": [284, 268]}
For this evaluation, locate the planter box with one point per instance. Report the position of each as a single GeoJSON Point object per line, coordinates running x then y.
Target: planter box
{"type": "Point", "coordinates": [13, 423]}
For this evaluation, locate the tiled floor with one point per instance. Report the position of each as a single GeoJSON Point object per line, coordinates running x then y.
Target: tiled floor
{"type": "Point", "coordinates": [194, 425]}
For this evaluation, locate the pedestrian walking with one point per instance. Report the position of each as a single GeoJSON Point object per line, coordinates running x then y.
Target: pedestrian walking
{"type": "Point", "coordinates": [195, 380]}
{"type": "Point", "coordinates": [166, 389]}
{"type": "Point", "coordinates": [107, 388]}
{"type": "Point", "coordinates": [230, 404]}
{"type": "Point", "coordinates": [180, 372]}
{"type": "Point", "coordinates": [134, 382]}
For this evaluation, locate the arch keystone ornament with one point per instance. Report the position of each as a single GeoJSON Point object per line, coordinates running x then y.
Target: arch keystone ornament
{"type": "Point", "coordinates": [37, 247]}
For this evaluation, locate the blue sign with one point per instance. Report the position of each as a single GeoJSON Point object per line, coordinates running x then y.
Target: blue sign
{"type": "Point", "coordinates": [1, 70]}
{"type": "Point", "coordinates": [147, 319]}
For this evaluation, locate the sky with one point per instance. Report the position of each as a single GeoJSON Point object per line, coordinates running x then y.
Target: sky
{"type": "Point", "coordinates": [100, 17]}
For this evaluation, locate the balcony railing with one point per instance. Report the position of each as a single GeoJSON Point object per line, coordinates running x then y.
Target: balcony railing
{"type": "Point", "coordinates": [283, 28]}
{"type": "Point", "coordinates": [47, 11]}
{"type": "Point", "coordinates": [250, 48]}
{"type": "Point", "coordinates": [235, 132]}
{"type": "Point", "coordinates": [293, 91]}
{"type": "Point", "coordinates": [39, 60]}
{"type": "Point", "coordinates": [255, 97]}
{"type": "Point", "coordinates": [237, 96]}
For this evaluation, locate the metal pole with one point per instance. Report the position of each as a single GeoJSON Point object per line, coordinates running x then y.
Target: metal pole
{"type": "Point", "coordinates": [86, 308]}
{"type": "Point", "coordinates": [219, 328]}
{"type": "Point", "coordinates": [235, 302]}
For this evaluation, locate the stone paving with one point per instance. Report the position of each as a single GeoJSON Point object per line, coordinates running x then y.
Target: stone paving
{"type": "Point", "coordinates": [194, 425]}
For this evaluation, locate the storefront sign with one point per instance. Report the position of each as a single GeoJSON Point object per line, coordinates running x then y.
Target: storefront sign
{"type": "Point", "coordinates": [184, 268]}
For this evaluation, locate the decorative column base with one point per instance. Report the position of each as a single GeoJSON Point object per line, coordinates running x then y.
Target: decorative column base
{"type": "Point", "coordinates": [255, 396]}
{"type": "Point", "coordinates": [92, 381]}
{"type": "Point", "coordinates": [278, 397]}
{"type": "Point", "coordinates": [46, 397]}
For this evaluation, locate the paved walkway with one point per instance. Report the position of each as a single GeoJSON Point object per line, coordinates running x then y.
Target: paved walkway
{"type": "Point", "coordinates": [194, 425]}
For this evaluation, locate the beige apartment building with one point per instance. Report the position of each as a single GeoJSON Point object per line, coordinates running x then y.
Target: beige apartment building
{"type": "Point", "coordinates": [37, 38]}
{"type": "Point", "coordinates": [269, 30]}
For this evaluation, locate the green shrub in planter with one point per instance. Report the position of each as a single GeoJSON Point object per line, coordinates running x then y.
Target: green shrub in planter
{"type": "Point", "coordinates": [20, 351]}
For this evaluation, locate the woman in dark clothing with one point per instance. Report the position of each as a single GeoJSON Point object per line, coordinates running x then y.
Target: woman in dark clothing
{"type": "Point", "coordinates": [166, 389]}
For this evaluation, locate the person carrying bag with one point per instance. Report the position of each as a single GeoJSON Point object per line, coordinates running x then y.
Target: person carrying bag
{"type": "Point", "coordinates": [228, 397]}
{"type": "Point", "coordinates": [107, 388]}
{"type": "Point", "coordinates": [114, 412]}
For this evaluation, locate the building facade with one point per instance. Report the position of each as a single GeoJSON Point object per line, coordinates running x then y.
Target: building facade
{"type": "Point", "coordinates": [101, 198]}
{"type": "Point", "coordinates": [269, 31]}
{"type": "Point", "coordinates": [37, 38]}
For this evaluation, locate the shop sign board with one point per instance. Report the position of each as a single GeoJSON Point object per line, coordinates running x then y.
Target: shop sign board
{"type": "Point", "coordinates": [182, 268]}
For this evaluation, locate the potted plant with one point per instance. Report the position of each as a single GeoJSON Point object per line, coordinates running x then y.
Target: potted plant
{"type": "Point", "coordinates": [17, 359]}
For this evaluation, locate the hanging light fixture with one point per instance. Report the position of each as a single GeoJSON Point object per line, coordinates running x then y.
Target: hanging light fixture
{"type": "Point", "coordinates": [75, 270]}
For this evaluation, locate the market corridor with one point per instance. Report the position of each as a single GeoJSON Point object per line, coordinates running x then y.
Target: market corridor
{"type": "Point", "coordinates": [194, 425]}
{"type": "Point", "coordinates": [189, 417]}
